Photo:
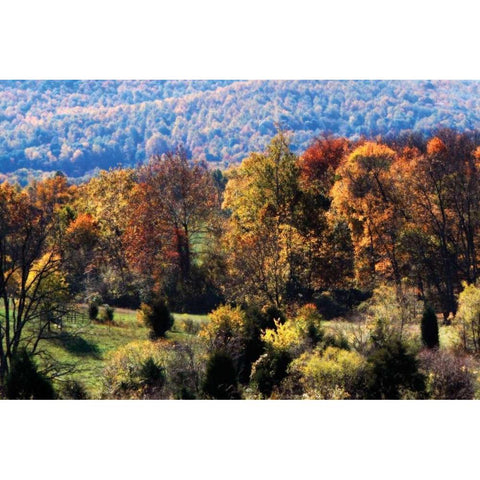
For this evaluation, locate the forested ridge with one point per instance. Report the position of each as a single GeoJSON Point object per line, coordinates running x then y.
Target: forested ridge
{"type": "Point", "coordinates": [80, 126]}
{"type": "Point", "coordinates": [348, 271]}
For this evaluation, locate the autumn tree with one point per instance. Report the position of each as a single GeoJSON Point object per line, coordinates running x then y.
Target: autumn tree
{"type": "Point", "coordinates": [106, 199]}
{"type": "Point", "coordinates": [80, 241]}
{"type": "Point", "coordinates": [443, 190]}
{"type": "Point", "coordinates": [32, 286]}
{"type": "Point", "coordinates": [327, 245]}
{"type": "Point", "coordinates": [320, 161]}
{"type": "Point", "coordinates": [262, 195]}
{"type": "Point", "coordinates": [172, 218]}
{"type": "Point", "coordinates": [366, 195]}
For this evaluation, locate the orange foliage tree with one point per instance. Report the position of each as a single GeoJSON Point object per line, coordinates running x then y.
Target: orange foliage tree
{"type": "Point", "coordinates": [442, 195]}
{"type": "Point", "coordinates": [172, 216]}
{"type": "Point", "coordinates": [366, 195]}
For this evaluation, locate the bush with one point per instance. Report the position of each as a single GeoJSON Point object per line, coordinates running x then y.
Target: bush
{"type": "Point", "coordinates": [392, 372]}
{"type": "Point", "coordinates": [269, 370]}
{"type": "Point", "coordinates": [221, 378]}
{"type": "Point", "coordinates": [185, 369]}
{"type": "Point", "coordinates": [265, 317]}
{"type": "Point", "coordinates": [272, 313]}
{"type": "Point", "coordinates": [298, 334]}
{"type": "Point", "coordinates": [92, 311]}
{"type": "Point", "coordinates": [338, 303]}
{"type": "Point", "coordinates": [429, 328]}
{"type": "Point", "coordinates": [225, 331]}
{"type": "Point", "coordinates": [107, 314]}
{"type": "Point", "coordinates": [238, 333]}
{"type": "Point", "coordinates": [157, 318]}
{"type": "Point", "coordinates": [253, 346]}
{"type": "Point", "coordinates": [25, 382]}
{"type": "Point", "coordinates": [449, 377]}
{"type": "Point", "coordinates": [197, 294]}
{"type": "Point", "coordinates": [136, 370]}
{"type": "Point", "coordinates": [387, 316]}
{"type": "Point", "coordinates": [151, 374]}
{"type": "Point", "coordinates": [330, 374]}
{"type": "Point", "coordinates": [467, 318]}
{"type": "Point", "coordinates": [73, 390]}
{"type": "Point", "coordinates": [190, 326]}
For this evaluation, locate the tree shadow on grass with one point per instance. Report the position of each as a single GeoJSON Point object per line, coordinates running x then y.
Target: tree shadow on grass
{"type": "Point", "coordinates": [77, 345]}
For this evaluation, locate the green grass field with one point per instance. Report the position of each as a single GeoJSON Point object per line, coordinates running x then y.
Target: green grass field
{"type": "Point", "coordinates": [86, 345]}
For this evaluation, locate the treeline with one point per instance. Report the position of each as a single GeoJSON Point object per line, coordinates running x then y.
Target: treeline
{"type": "Point", "coordinates": [80, 126]}
{"type": "Point", "coordinates": [284, 241]}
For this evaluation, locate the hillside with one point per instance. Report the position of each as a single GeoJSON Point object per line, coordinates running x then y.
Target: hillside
{"type": "Point", "coordinates": [78, 126]}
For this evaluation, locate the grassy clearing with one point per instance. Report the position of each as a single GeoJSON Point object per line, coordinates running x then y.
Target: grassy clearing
{"type": "Point", "coordinates": [87, 346]}
{"type": "Point", "coordinates": [447, 334]}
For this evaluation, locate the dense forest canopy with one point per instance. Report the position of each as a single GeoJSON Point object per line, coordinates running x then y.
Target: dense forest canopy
{"type": "Point", "coordinates": [79, 126]}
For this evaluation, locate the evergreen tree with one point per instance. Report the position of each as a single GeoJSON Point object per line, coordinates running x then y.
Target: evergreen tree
{"type": "Point", "coordinates": [25, 382]}
{"type": "Point", "coordinates": [158, 318]}
{"type": "Point", "coordinates": [430, 328]}
{"type": "Point", "coordinates": [392, 372]}
{"type": "Point", "coordinates": [221, 378]}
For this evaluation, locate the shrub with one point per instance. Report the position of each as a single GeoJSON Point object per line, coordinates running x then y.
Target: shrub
{"type": "Point", "coordinates": [185, 369]}
{"type": "Point", "coordinates": [265, 317]}
{"type": "Point", "coordinates": [309, 322]}
{"type": "Point", "coordinates": [221, 377]}
{"type": "Point", "coordinates": [107, 314]}
{"type": "Point", "coordinates": [387, 316]}
{"type": "Point", "coordinates": [330, 374]}
{"type": "Point", "coordinates": [151, 373]}
{"type": "Point", "coordinates": [448, 376]}
{"type": "Point", "coordinates": [73, 390]}
{"type": "Point", "coordinates": [197, 294]}
{"type": "Point", "coordinates": [392, 372]}
{"type": "Point", "coordinates": [270, 369]}
{"type": "Point", "coordinates": [190, 326]}
{"type": "Point", "coordinates": [92, 311]}
{"type": "Point", "coordinates": [136, 370]}
{"type": "Point", "coordinates": [467, 318]}
{"type": "Point", "coordinates": [225, 331]}
{"type": "Point", "coordinates": [255, 321]}
{"type": "Point", "coordinates": [25, 382]}
{"type": "Point", "coordinates": [338, 303]}
{"type": "Point", "coordinates": [272, 313]}
{"type": "Point", "coordinates": [429, 328]}
{"type": "Point", "coordinates": [157, 318]}
{"type": "Point", "coordinates": [296, 335]}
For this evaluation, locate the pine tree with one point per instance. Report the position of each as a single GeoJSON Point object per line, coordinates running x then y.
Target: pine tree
{"type": "Point", "coordinates": [158, 318]}
{"type": "Point", "coordinates": [430, 328]}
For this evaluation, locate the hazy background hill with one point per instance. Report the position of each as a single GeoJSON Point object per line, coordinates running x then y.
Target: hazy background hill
{"type": "Point", "coordinates": [78, 126]}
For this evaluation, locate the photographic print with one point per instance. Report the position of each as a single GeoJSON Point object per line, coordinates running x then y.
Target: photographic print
{"type": "Point", "coordinates": [239, 239]}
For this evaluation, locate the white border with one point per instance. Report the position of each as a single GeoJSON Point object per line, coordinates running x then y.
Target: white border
{"type": "Point", "coordinates": [252, 39]}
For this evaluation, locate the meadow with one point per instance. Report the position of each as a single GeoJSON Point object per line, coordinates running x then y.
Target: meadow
{"type": "Point", "coordinates": [84, 345]}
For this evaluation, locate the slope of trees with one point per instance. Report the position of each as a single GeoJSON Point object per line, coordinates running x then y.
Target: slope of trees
{"type": "Point", "coordinates": [80, 126]}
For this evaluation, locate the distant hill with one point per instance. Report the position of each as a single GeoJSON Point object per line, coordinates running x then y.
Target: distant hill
{"type": "Point", "coordinates": [79, 126]}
